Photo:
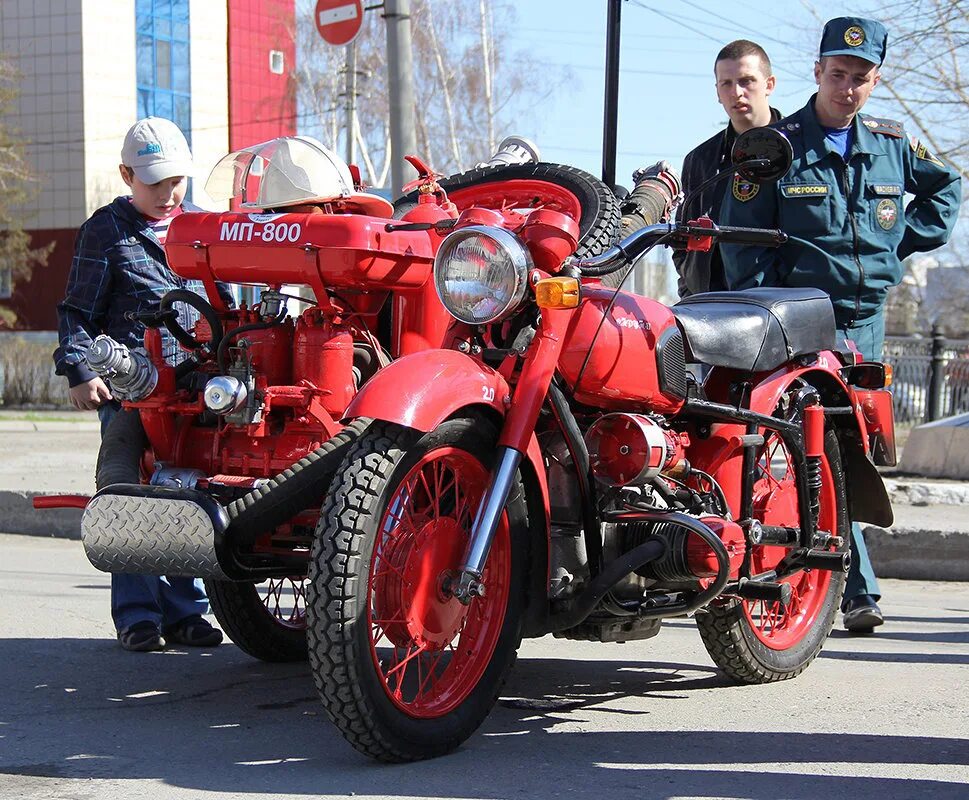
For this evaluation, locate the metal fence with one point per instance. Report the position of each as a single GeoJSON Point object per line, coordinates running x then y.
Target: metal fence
{"type": "Point", "coordinates": [931, 377]}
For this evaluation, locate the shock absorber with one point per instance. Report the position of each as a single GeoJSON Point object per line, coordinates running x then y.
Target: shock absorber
{"type": "Point", "coordinates": [813, 421]}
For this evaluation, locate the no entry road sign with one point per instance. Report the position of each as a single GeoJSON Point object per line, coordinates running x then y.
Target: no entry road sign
{"type": "Point", "coordinates": [339, 21]}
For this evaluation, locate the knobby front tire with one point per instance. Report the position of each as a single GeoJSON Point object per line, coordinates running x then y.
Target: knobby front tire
{"type": "Point", "coordinates": [404, 670]}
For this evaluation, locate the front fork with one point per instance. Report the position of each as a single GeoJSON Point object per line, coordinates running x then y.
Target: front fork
{"type": "Point", "coordinates": [529, 395]}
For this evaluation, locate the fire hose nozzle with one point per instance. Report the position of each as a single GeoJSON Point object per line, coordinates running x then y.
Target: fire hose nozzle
{"type": "Point", "coordinates": [130, 372]}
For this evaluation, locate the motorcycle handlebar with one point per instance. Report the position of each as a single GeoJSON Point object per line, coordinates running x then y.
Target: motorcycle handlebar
{"type": "Point", "coordinates": [768, 237]}
{"type": "Point", "coordinates": [632, 247]}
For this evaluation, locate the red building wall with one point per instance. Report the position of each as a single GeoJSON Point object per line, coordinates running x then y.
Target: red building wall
{"type": "Point", "coordinates": [35, 301]}
{"type": "Point", "coordinates": [262, 105]}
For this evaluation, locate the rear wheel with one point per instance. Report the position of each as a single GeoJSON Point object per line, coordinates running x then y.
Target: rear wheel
{"type": "Point", "coordinates": [755, 641]}
{"type": "Point", "coordinates": [266, 620]}
{"type": "Point", "coordinates": [404, 670]}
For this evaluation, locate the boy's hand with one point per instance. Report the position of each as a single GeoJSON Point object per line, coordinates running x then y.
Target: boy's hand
{"type": "Point", "coordinates": [88, 396]}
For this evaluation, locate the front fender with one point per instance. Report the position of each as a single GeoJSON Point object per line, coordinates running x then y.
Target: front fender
{"type": "Point", "coordinates": [868, 499]}
{"type": "Point", "coordinates": [423, 389]}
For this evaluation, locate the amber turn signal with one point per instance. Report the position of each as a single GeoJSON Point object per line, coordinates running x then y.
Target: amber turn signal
{"type": "Point", "coordinates": [557, 293]}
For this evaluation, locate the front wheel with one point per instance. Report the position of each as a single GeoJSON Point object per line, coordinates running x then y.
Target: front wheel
{"type": "Point", "coordinates": [404, 670]}
{"type": "Point", "coordinates": [753, 641]}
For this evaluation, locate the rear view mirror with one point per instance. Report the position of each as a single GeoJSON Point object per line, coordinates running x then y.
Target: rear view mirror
{"type": "Point", "coordinates": [761, 155]}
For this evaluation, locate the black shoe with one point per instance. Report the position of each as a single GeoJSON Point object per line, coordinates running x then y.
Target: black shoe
{"type": "Point", "coordinates": [142, 637]}
{"type": "Point", "coordinates": [193, 632]}
{"type": "Point", "coordinates": [862, 614]}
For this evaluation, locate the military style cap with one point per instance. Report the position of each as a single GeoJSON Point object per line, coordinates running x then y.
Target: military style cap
{"type": "Point", "coordinates": [855, 36]}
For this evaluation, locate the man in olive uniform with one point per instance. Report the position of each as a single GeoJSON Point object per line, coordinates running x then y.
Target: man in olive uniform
{"type": "Point", "coordinates": [842, 205]}
{"type": "Point", "coordinates": [744, 81]}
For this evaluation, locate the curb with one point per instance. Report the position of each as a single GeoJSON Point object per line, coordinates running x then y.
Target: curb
{"type": "Point", "coordinates": [20, 516]}
{"type": "Point", "coordinates": [921, 555]}
{"type": "Point", "coordinates": [914, 492]}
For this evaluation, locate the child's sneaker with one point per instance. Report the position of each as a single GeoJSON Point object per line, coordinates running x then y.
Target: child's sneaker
{"type": "Point", "coordinates": [142, 637]}
{"type": "Point", "coordinates": [193, 632]}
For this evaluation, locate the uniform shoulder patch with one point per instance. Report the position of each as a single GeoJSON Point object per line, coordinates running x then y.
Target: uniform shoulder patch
{"type": "Point", "coordinates": [884, 126]}
{"type": "Point", "coordinates": [921, 151]}
{"type": "Point", "coordinates": [743, 189]}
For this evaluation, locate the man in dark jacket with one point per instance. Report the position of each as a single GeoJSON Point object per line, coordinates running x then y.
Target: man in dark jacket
{"type": "Point", "coordinates": [744, 83]}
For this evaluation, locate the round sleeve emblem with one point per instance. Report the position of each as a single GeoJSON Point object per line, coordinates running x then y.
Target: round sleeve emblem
{"type": "Point", "coordinates": [743, 189]}
{"type": "Point", "coordinates": [886, 212]}
{"type": "Point", "coordinates": [854, 36]}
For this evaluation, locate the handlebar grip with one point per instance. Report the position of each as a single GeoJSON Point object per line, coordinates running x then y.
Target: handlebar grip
{"type": "Point", "coordinates": [767, 237]}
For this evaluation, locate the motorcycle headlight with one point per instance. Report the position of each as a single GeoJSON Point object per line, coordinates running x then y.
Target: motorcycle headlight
{"type": "Point", "coordinates": [481, 274]}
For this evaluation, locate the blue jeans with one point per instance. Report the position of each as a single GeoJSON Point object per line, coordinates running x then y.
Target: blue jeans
{"type": "Point", "coordinates": [149, 598]}
{"type": "Point", "coordinates": [869, 336]}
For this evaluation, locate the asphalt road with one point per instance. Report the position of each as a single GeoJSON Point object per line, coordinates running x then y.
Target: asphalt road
{"type": "Point", "coordinates": [874, 717]}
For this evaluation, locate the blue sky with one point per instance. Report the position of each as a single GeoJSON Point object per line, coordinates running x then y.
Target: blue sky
{"type": "Point", "coordinates": [667, 102]}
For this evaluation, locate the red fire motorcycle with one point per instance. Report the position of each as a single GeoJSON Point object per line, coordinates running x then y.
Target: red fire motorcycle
{"type": "Point", "coordinates": [586, 462]}
{"type": "Point", "coordinates": [219, 464]}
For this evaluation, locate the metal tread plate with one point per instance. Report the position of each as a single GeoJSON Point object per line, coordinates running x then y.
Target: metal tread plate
{"type": "Point", "coordinates": [150, 536]}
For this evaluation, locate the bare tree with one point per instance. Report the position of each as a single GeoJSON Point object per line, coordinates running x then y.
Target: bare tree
{"type": "Point", "coordinates": [17, 257]}
{"type": "Point", "coordinates": [927, 73]}
{"type": "Point", "coordinates": [467, 88]}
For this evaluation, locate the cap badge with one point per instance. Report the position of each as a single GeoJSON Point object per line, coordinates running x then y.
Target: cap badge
{"type": "Point", "coordinates": [886, 212]}
{"type": "Point", "coordinates": [743, 189]}
{"type": "Point", "coordinates": [854, 36]}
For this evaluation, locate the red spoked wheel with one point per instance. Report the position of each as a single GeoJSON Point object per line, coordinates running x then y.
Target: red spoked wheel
{"type": "Point", "coordinates": [775, 503]}
{"type": "Point", "coordinates": [266, 620]}
{"type": "Point", "coordinates": [437, 649]}
{"type": "Point", "coordinates": [521, 188]}
{"type": "Point", "coordinates": [757, 641]}
{"type": "Point", "coordinates": [405, 670]}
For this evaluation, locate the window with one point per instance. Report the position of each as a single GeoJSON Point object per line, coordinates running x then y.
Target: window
{"type": "Point", "coordinates": [277, 62]}
{"type": "Point", "coordinates": [163, 66]}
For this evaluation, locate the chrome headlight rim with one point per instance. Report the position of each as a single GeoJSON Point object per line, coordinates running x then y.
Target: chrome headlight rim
{"type": "Point", "coordinates": [511, 245]}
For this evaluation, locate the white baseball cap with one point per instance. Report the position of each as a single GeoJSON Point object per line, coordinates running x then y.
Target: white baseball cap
{"type": "Point", "coordinates": [156, 149]}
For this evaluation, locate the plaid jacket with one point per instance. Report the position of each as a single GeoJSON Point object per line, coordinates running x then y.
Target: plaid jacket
{"type": "Point", "coordinates": [119, 266]}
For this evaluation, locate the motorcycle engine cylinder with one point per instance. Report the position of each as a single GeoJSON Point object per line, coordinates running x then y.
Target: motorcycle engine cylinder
{"type": "Point", "coordinates": [687, 556]}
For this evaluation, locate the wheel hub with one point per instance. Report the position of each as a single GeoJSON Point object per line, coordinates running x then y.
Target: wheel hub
{"type": "Point", "coordinates": [433, 616]}
{"type": "Point", "coordinates": [413, 603]}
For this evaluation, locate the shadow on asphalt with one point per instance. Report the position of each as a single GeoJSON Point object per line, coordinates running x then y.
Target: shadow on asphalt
{"type": "Point", "coordinates": [218, 721]}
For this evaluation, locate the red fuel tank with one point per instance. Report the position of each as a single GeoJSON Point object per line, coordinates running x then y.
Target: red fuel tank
{"type": "Point", "coordinates": [637, 360]}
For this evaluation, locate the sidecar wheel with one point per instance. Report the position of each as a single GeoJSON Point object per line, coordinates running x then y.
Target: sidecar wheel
{"type": "Point", "coordinates": [571, 191]}
{"type": "Point", "coordinates": [758, 642]}
{"type": "Point", "coordinates": [266, 620]}
{"type": "Point", "coordinates": [404, 670]}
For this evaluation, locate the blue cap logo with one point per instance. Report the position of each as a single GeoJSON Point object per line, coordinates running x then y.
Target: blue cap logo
{"type": "Point", "coordinates": [154, 147]}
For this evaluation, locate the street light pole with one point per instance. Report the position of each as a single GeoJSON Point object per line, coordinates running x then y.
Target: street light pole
{"type": "Point", "coordinates": [400, 74]}
{"type": "Point", "coordinates": [610, 115]}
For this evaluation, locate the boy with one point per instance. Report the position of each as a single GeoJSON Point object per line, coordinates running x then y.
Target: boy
{"type": "Point", "coordinates": [119, 266]}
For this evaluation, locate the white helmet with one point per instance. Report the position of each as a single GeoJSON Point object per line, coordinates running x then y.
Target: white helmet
{"type": "Point", "coordinates": [288, 171]}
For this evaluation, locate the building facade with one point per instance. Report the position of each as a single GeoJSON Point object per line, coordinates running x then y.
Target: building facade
{"type": "Point", "coordinates": [91, 68]}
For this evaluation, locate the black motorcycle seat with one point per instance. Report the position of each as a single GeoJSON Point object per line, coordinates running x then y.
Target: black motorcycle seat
{"type": "Point", "coordinates": [755, 330]}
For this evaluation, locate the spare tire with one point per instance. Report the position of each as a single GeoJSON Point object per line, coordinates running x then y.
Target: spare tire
{"type": "Point", "coordinates": [531, 186]}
